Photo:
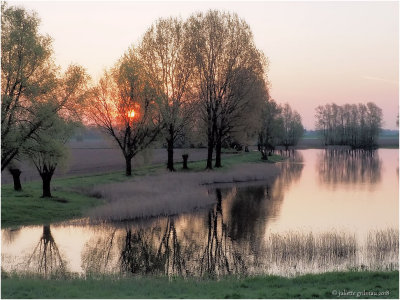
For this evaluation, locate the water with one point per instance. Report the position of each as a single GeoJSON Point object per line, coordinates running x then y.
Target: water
{"type": "Point", "coordinates": [328, 210]}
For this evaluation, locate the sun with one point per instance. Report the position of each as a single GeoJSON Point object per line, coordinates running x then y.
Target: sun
{"type": "Point", "coordinates": [131, 114]}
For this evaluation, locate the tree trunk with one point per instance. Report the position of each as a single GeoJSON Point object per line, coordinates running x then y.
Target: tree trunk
{"type": "Point", "coordinates": [264, 155]}
{"type": "Point", "coordinates": [210, 149]}
{"type": "Point", "coordinates": [185, 159]}
{"type": "Point", "coordinates": [218, 148]}
{"type": "Point", "coordinates": [128, 167]}
{"type": "Point", "coordinates": [170, 149]}
{"type": "Point", "coordinates": [16, 178]}
{"type": "Point", "coordinates": [46, 178]}
{"type": "Point", "coordinates": [210, 137]}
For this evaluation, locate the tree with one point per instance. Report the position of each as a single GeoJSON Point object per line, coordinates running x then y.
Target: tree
{"type": "Point", "coordinates": [354, 125]}
{"type": "Point", "coordinates": [126, 106]}
{"type": "Point", "coordinates": [223, 46]}
{"type": "Point", "coordinates": [240, 116]}
{"type": "Point", "coordinates": [47, 150]}
{"type": "Point", "coordinates": [165, 52]}
{"type": "Point", "coordinates": [27, 75]}
{"type": "Point", "coordinates": [271, 128]}
{"type": "Point", "coordinates": [32, 90]}
{"type": "Point", "coordinates": [292, 127]}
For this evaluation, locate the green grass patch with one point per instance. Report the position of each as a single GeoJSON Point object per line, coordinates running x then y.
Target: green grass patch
{"type": "Point", "coordinates": [27, 207]}
{"type": "Point", "coordinates": [328, 285]}
{"type": "Point", "coordinates": [71, 197]}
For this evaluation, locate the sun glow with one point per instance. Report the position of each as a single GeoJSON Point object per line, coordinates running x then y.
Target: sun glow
{"type": "Point", "coordinates": [131, 114]}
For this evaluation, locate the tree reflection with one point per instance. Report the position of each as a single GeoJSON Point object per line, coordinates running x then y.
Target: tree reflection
{"type": "Point", "coordinates": [146, 252]}
{"type": "Point", "coordinates": [220, 254]}
{"type": "Point", "coordinates": [291, 169]}
{"type": "Point", "coordinates": [349, 167]}
{"type": "Point", "coordinates": [98, 254]}
{"type": "Point", "coordinates": [46, 258]}
{"type": "Point", "coordinates": [9, 235]}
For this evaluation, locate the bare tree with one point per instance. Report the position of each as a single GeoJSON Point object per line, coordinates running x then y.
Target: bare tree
{"type": "Point", "coordinates": [126, 106]}
{"type": "Point", "coordinates": [165, 52]}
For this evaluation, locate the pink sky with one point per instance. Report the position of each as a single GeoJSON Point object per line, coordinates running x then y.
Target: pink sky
{"type": "Point", "coordinates": [319, 52]}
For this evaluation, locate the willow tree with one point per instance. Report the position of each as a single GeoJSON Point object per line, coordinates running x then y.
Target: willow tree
{"type": "Point", "coordinates": [165, 52]}
{"type": "Point", "coordinates": [47, 150]}
{"type": "Point", "coordinates": [27, 75]}
{"type": "Point", "coordinates": [125, 105]}
{"type": "Point", "coordinates": [223, 44]}
{"type": "Point", "coordinates": [32, 90]}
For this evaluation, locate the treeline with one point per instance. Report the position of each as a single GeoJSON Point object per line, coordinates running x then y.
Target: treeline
{"type": "Point", "coordinates": [353, 125]}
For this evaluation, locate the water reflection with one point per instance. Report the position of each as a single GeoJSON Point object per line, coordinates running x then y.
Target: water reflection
{"type": "Point", "coordinates": [46, 258]}
{"type": "Point", "coordinates": [245, 232]}
{"type": "Point", "coordinates": [349, 167]}
{"type": "Point", "coordinates": [97, 255]}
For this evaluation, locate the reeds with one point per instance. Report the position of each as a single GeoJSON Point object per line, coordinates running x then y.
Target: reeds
{"type": "Point", "coordinates": [381, 243]}
{"type": "Point", "coordinates": [322, 247]}
{"type": "Point", "coordinates": [172, 193]}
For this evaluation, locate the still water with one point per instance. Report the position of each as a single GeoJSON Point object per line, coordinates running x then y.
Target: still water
{"type": "Point", "coordinates": [327, 210]}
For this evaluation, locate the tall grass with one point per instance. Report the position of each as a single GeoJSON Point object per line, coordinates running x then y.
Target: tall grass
{"type": "Point", "coordinates": [383, 248]}
{"type": "Point", "coordinates": [295, 253]}
{"type": "Point", "coordinates": [172, 193]}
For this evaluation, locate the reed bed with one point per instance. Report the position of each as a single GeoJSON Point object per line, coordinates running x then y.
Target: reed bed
{"type": "Point", "coordinates": [296, 246]}
{"type": "Point", "coordinates": [383, 243]}
{"type": "Point", "coordinates": [292, 253]}
{"type": "Point", "coordinates": [172, 193]}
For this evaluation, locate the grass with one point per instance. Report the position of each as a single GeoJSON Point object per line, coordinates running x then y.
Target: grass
{"type": "Point", "coordinates": [27, 207]}
{"type": "Point", "coordinates": [327, 285]}
{"type": "Point", "coordinates": [72, 197]}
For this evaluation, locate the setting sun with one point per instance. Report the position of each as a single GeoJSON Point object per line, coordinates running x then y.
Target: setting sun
{"type": "Point", "coordinates": [131, 114]}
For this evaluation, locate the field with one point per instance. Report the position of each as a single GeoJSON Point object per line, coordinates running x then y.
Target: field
{"type": "Point", "coordinates": [328, 285]}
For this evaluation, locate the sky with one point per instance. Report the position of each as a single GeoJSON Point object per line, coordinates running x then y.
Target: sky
{"type": "Point", "coordinates": [319, 52]}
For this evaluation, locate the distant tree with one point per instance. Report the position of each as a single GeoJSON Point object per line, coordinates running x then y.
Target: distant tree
{"type": "Point", "coordinates": [47, 150]}
{"type": "Point", "coordinates": [165, 52]}
{"type": "Point", "coordinates": [271, 128]}
{"type": "Point", "coordinates": [125, 105]}
{"type": "Point", "coordinates": [292, 127]}
{"type": "Point", "coordinates": [355, 125]}
{"type": "Point", "coordinates": [223, 46]}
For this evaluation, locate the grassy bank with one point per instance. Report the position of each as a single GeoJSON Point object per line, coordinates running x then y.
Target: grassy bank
{"type": "Point", "coordinates": [71, 198]}
{"type": "Point", "coordinates": [329, 285]}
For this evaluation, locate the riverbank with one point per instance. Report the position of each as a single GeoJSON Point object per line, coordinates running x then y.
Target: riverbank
{"type": "Point", "coordinates": [337, 285]}
{"type": "Point", "coordinates": [73, 197]}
